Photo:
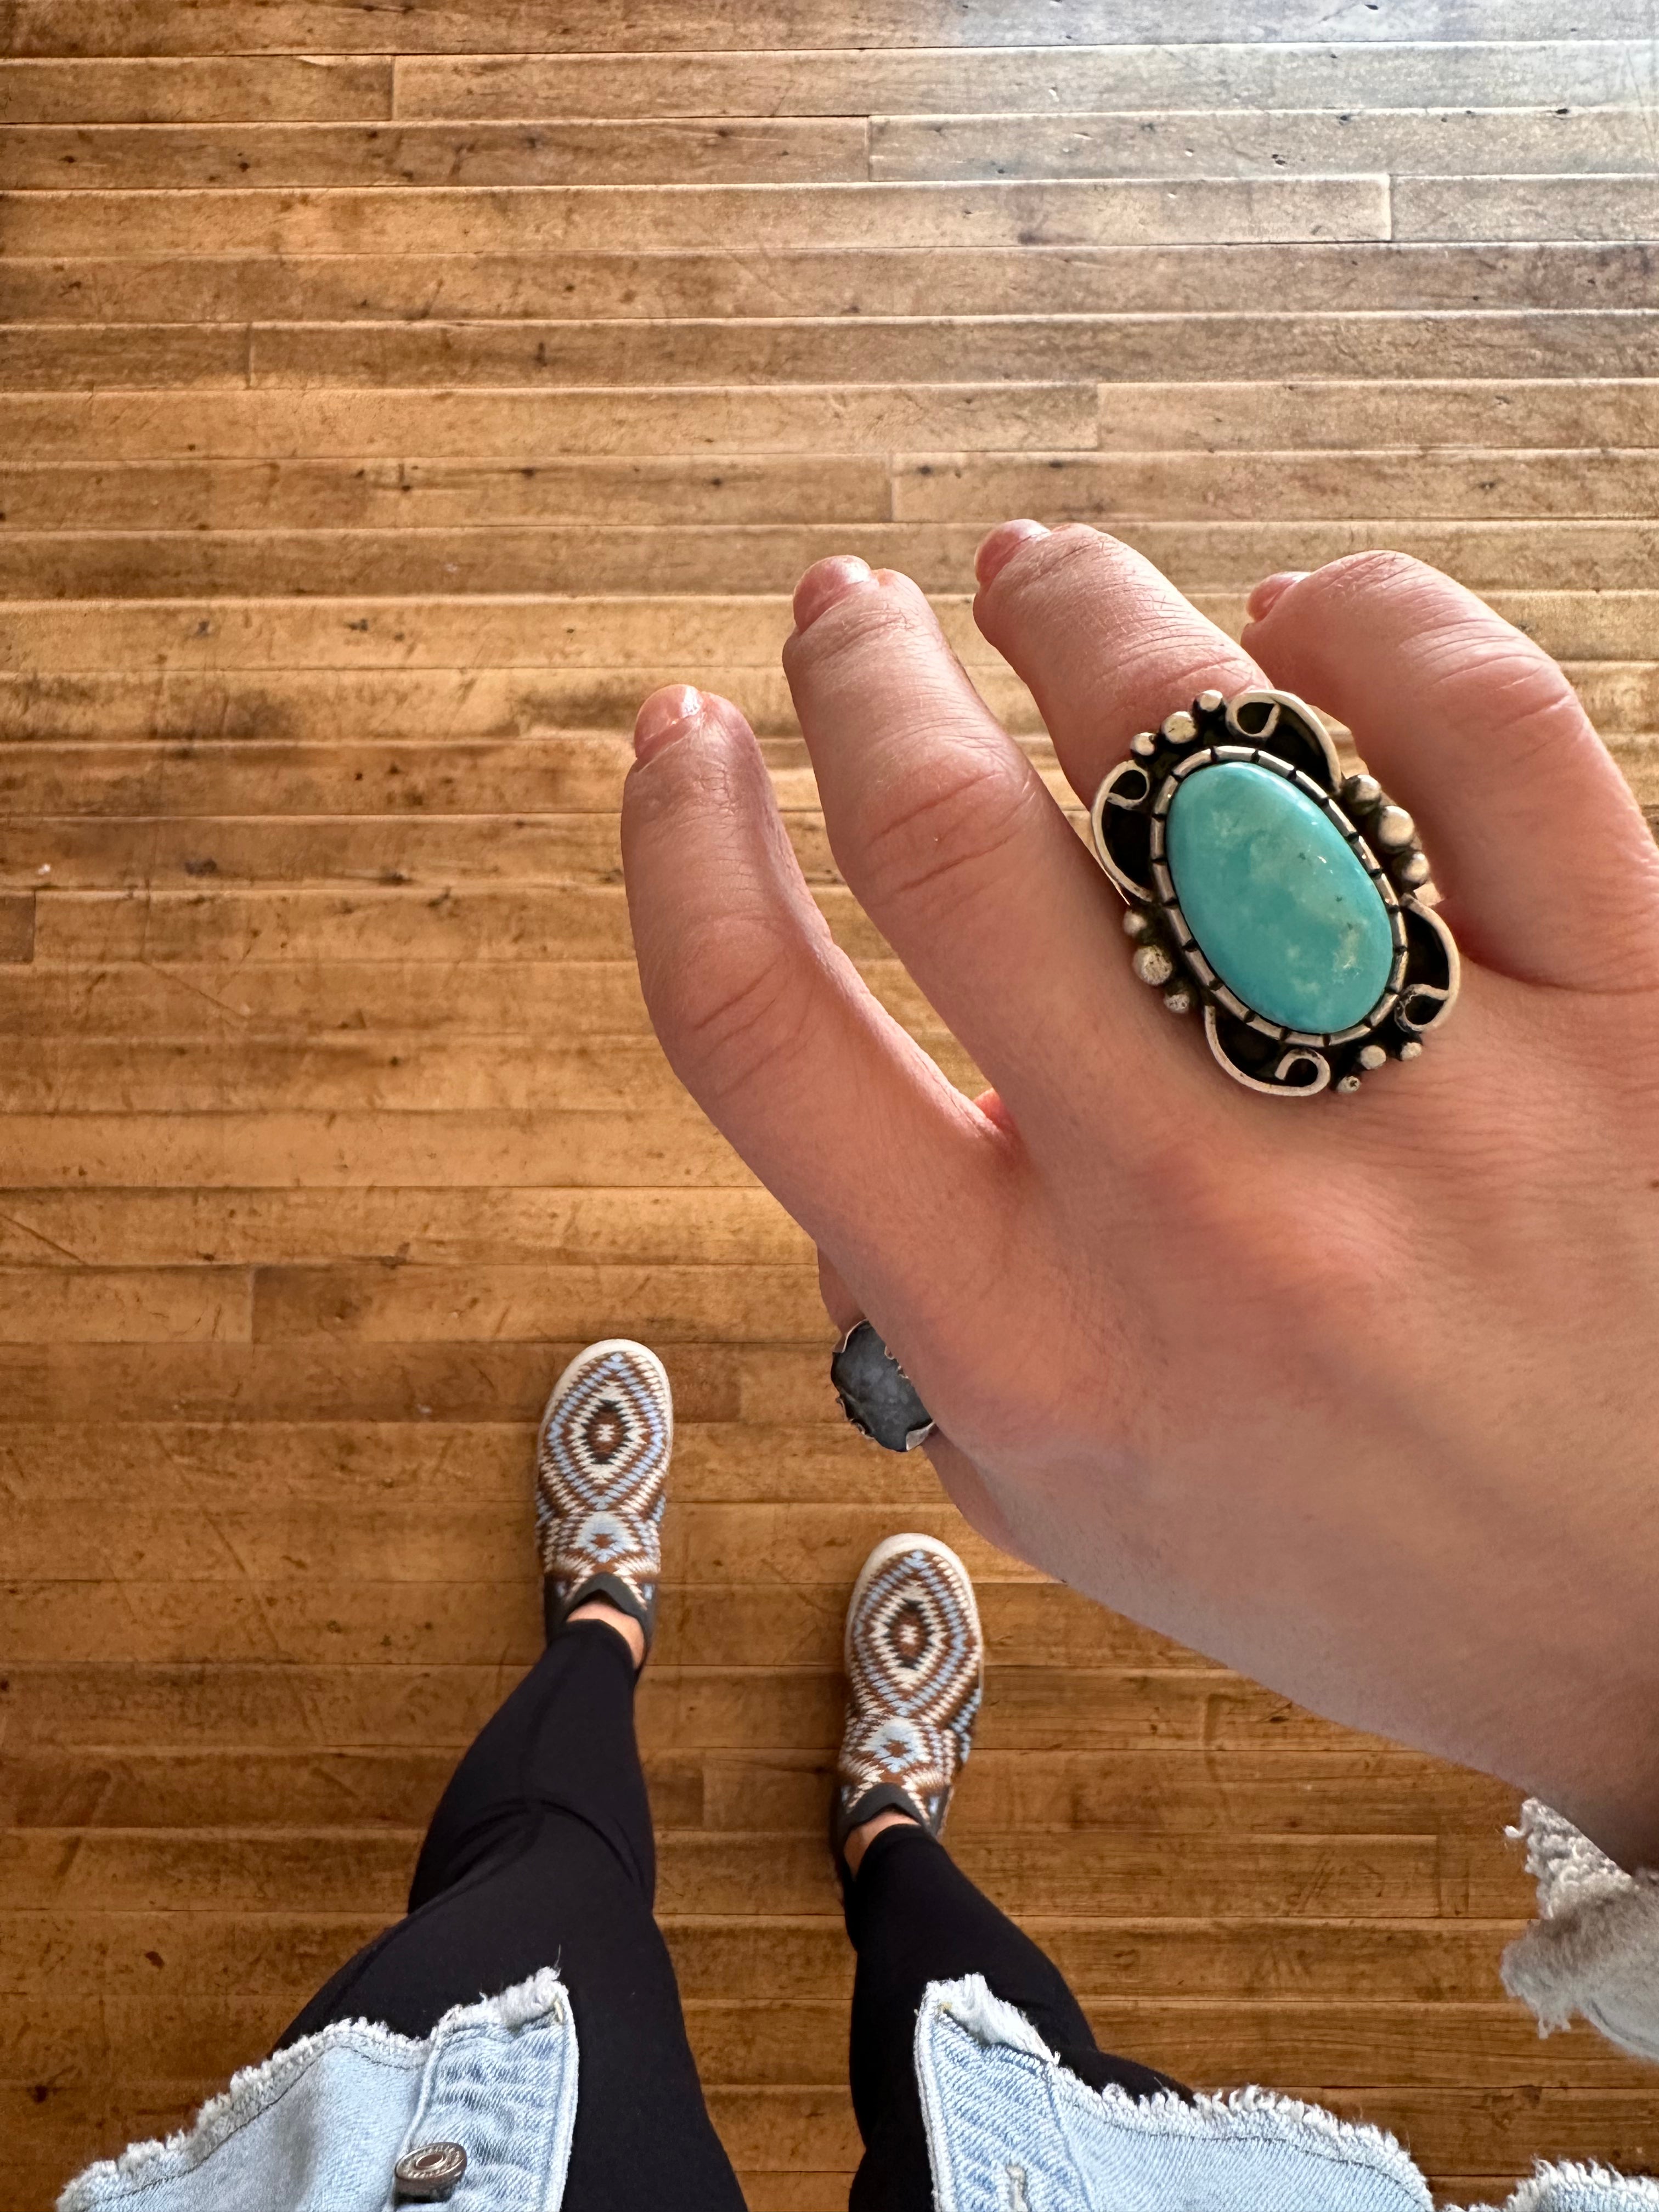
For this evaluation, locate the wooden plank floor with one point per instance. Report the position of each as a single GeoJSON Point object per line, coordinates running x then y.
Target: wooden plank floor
{"type": "Point", "coordinates": [392, 397]}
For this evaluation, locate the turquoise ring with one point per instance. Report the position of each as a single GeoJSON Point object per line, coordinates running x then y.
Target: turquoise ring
{"type": "Point", "coordinates": [1290, 903]}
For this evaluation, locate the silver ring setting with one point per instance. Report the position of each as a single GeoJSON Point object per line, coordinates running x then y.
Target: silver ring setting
{"type": "Point", "coordinates": [1269, 904]}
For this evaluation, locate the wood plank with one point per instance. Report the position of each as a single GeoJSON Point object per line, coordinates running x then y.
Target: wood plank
{"type": "Point", "coordinates": [16, 929]}
{"type": "Point", "coordinates": [60, 27]}
{"type": "Point", "coordinates": [1405, 2046]}
{"type": "Point", "coordinates": [1099, 488]}
{"type": "Point", "coordinates": [744, 1708]}
{"type": "Point", "coordinates": [1411, 414]}
{"type": "Point", "coordinates": [107, 801]}
{"type": "Point", "coordinates": [1434, 139]}
{"type": "Point", "coordinates": [121, 283]}
{"type": "Point", "coordinates": [498, 999]}
{"type": "Point", "coordinates": [733, 490]}
{"type": "Point", "coordinates": [1110, 347]}
{"type": "Point", "coordinates": [1226, 554]}
{"type": "Point", "coordinates": [489, 1000]}
{"type": "Point", "coordinates": [368, 1870]}
{"type": "Point", "coordinates": [340, 1150]}
{"type": "Point", "coordinates": [1149, 1791]}
{"type": "Point", "coordinates": [442, 1227]}
{"type": "Point", "coordinates": [73, 356]}
{"type": "Point", "coordinates": [423, 495]}
{"type": "Point", "coordinates": [1033, 79]}
{"type": "Point", "coordinates": [541, 631]}
{"type": "Point", "coordinates": [489, 1612]}
{"type": "Point", "coordinates": [165, 156]}
{"type": "Point", "coordinates": [396, 1383]}
{"type": "Point", "coordinates": [799, 2192]}
{"type": "Point", "coordinates": [212, 1465]}
{"type": "Point", "coordinates": [470, 922]}
{"type": "Point", "coordinates": [553, 219]}
{"type": "Point", "coordinates": [1499, 2131]}
{"type": "Point", "coordinates": [1496, 2129]}
{"type": "Point", "coordinates": [531, 848]}
{"type": "Point", "coordinates": [138, 1305]}
{"type": "Point", "coordinates": [528, 425]}
{"type": "Point", "coordinates": [210, 88]}
{"type": "Point", "coordinates": [75, 2038]}
{"type": "Point", "coordinates": [406, 1305]}
{"type": "Point", "coordinates": [1450, 206]}
{"type": "Point", "coordinates": [750, 1543]}
{"type": "Point", "coordinates": [156, 1953]}
{"type": "Point", "coordinates": [570, 715]}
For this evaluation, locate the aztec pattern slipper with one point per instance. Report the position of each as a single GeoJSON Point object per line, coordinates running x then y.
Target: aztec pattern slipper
{"type": "Point", "coordinates": [915, 1672]}
{"type": "Point", "coordinates": [601, 1478]}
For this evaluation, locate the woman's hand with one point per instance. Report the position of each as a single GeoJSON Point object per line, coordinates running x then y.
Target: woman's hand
{"type": "Point", "coordinates": [1361, 1395]}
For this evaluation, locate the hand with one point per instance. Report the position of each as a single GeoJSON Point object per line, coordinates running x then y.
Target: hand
{"type": "Point", "coordinates": [1360, 1394]}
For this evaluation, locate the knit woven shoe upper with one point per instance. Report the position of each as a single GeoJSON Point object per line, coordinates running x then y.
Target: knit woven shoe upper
{"type": "Point", "coordinates": [914, 1658]}
{"type": "Point", "coordinates": [601, 1475]}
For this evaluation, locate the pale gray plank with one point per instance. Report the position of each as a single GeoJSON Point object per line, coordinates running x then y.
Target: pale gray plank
{"type": "Point", "coordinates": [1493, 142]}
{"type": "Point", "coordinates": [1607, 207]}
{"type": "Point", "coordinates": [990, 80]}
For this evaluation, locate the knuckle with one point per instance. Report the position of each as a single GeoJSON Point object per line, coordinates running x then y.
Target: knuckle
{"type": "Point", "coordinates": [1540, 708]}
{"type": "Point", "coordinates": [867, 623]}
{"type": "Point", "coordinates": [738, 1005]}
{"type": "Point", "coordinates": [1163, 665]}
{"type": "Point", "coordinates": [1361, 575]}
{"type": "Point", "coordinates": [1483, 669]}
{"type": "Point", "coordinates": [933, 830]}
{"type": "Point", "coordinates": [1074, 562]}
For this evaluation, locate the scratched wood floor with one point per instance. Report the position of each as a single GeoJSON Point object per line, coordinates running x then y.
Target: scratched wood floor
{"type": "Point", "coordinates": [391, 397]}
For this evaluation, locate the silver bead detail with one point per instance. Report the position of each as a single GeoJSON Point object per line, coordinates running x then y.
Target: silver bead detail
{"type": "Point", "coordinates": [1362, 791]}
{"type": "Point", "coordinates": [1180, 728]}
{"type": "Point", "coordinates": [1178, 999]}
{"type": "Point", "coordinates": [1210, 702]}
{"type": "Point", "coordinates": [1348, 1083]}
{"type": "Point", "coordinates": [1412, 871]}
{"type": "Point", "coordinates": [1371, 1055]}
{"type": "Point", "coordinates": [1393, 830]}
{"type": "Point", "coordinates": [1135, 923]}
{"type": "Point", "coordinates": [1153, 965]}
{"type": "Point", "coordinates": [1144, 745]}
{"type": "Point", "coordinates": [1411, 1050]}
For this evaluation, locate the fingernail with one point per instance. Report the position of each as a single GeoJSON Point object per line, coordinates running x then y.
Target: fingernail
{"type": "Point", "coordinates": [1270, 591]}
{"type": "Point", "coordinates": [666, 715]}
{"type": "Point", "coordinates": [999, 549]}
{"type": "Point", "coordinates": [825, 582]}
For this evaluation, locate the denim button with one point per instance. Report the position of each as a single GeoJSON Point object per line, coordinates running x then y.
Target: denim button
{"type": "Point", "coordinates": [428, 2175]}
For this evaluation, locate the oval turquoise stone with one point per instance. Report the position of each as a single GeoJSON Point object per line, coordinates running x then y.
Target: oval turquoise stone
{"type": "Point", "coordinates": [1280, 904]}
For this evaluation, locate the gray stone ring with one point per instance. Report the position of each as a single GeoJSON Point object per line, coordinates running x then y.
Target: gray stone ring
{"type": "Point", "coordinates": [1290, 902]}
{"type": "Point", "coordinates": [877, 1396]}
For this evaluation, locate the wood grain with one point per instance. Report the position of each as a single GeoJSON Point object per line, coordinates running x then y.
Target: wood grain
{"type": "Point", "coordinates": [388, 399]}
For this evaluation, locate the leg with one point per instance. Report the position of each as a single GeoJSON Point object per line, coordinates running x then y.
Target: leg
{"type": "Point", "coordinates": [915, 1918]}
{"type": "Point", "coordinates": [540, 1852]}
{"type": "Point", "coordinates": [915, 1668]}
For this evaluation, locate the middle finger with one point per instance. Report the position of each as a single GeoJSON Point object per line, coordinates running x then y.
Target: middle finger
{"type": "Point", "coordinates": [1104, 642]}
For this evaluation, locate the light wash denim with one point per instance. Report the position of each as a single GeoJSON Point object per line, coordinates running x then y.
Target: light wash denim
{"type": "Point", "coordinates": [1010, 2129]}
{"type": "Point", "coordinates": [320, 2127]}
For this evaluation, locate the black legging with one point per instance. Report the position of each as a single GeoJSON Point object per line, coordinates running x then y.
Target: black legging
{"type": "Point", "coordinates": [540, 1854]}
